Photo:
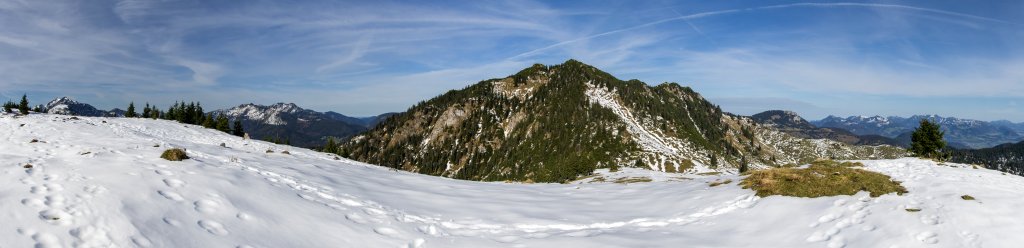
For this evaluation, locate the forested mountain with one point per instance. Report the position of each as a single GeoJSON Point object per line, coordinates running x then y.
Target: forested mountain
{"type": "Point", "coordinates": [960, 133]}
{"type": "Point", "coordinates": [288, 123]}
{"type": "Point", "coordinates": [1006, 157]}
{"type": "Point", "coordinates": [555, 123]}
{"type": "Point", "coordinates": [792, 124]}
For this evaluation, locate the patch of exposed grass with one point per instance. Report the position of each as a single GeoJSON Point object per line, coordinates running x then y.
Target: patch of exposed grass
{"type": "Point", "coordinates": [716, 182]}
{"type": "Point", "coordinates": [628, 180]}
{"type": "Point", "coordinates": [597, 180]}
{"type": "Point", "coordinates": [174, 154]}
{"type": "Point", "coordinates": [967, 197]}
{"type": "Point", "coordinates": [713, 173]}
{"type": "Point", "coordinates": [821, 178]}
{"type": "Point", "coordinates": [913, 210]}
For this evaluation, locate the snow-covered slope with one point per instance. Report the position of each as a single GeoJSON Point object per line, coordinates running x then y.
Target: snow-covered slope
{"type": "Point", "coordinates": [98, 182]}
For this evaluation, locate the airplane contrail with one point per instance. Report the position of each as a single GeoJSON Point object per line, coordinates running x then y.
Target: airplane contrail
{"type": "Point", "coordinates": [781, 6]}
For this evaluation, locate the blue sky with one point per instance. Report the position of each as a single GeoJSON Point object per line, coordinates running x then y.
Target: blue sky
{"type": "Point", "coordinates": [953, 58]}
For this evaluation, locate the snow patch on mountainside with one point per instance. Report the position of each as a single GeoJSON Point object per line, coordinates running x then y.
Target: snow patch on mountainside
{"type": "Point", "coordinates": [665, 150]}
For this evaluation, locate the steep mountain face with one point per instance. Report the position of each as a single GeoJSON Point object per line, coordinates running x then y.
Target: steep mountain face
{"type": "Point", "coordinates": [67, 106]}
{"type": "Point", "coordinates": [288, 122]}
{"type": "Point", "coordinates": [792, 124]}
{"type": "Point", "coordinates": [1008, 158]}
{"type": "Point", "coordinates": [961, 133]}
{"type": "Point", "coordinates": [555, 123]}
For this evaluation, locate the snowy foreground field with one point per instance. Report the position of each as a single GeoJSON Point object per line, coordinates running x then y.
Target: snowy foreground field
{"type": "Point", "coordinates": [99, 182]}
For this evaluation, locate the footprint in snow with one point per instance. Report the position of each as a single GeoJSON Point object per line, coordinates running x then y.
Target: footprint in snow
{"type": "Point", "coordinates": [386, 231]}
{"type": "Point", "coordinates": [172, 222]}
{"type": "Point", "coordinates": [174, 183]}
{"type": "Point", "coordinates": [171, 195]}
{"type": "Point", "coordinates": [164, 172]}
{"type": "Point", "coordinates": [206, 206]}
{"type": "Point", "coordinates": [928, 237]}
{"type": "Point", "coordinates": [930, 219]}
{"type": "Point", "coordinates": [213, 227]}
{"type": "Point", "coordinates": [416, 243]}
{"type": "Point", "coordinates": [46, 240]}
{"type": "Point", "coordinates": [36, 203]}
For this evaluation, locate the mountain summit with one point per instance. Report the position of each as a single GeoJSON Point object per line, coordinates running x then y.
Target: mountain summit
{"type": "Point", "coordinates": [555, 123]}
{"type": "Point", "coordinates": [67, 106]}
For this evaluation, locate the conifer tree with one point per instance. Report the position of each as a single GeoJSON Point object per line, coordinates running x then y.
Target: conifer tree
{"type": "Point", "coordinates": [208, 121]}
{"type": "Point", "coordinates": [237, 129]}
{"type": "Point", "coordinates": [9, 106]}
{"type": "Point", "coordinates": [926, 141]}
{"type": "Point", "coordinates": [23, 106]}
{"type": "Point", "coordinates": [145, 111]}
{"type": "Point", "coordinates": [331, 147]}
{"type": "Point", "coordinates": [223, 124]}
{"type": "Point", "coordinates": [130, 113]}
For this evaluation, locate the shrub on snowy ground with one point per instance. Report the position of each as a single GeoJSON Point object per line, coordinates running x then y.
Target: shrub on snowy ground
{"type": "Point", "coordinates": [822, 178]}
{"type": "Point", "coordinates": [174, 154]}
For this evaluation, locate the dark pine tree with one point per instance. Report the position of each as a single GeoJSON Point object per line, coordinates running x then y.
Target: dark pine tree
{"type": "Point", "coordinates": [146, 111]}
{"type": "Point", "coordinates": [23, 106]}
{"type": "Point", "coordinates": [130, 113]}
{"type": "Point", "coordinates": [222, 124]}
{"type": "Point", "coordinates": [926, 141]}
{"type": "Point", "coordinates": [331, 147]}
{"type": "Point", "coordinates": [237, 129]}
{"type": "Point", "coordinates": [208, 121]}
{"type": "Point", "coordinates": [9, 106]}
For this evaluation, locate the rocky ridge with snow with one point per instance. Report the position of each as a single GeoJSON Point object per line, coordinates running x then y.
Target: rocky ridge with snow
{"type": "Point", "coordinates": [555, 123]}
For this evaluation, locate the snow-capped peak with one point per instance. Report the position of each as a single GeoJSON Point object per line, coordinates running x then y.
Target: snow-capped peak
{"type": "Point", "coordinates": [266, 114]}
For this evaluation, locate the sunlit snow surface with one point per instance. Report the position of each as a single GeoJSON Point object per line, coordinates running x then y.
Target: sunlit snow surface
{"type": "Point", "coordinates": [96, 184]}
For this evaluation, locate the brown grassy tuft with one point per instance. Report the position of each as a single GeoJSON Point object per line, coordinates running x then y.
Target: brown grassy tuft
{"type": "Point", "coordinates": [821, 178]}
{"type": "Point", "coordinates": [174, 154]}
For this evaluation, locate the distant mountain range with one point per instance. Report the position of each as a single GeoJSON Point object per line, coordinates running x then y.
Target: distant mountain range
{"type": "Point", "coordinates": [298, 126]}
{"type": "Point", "coordinates": [959, 133]}
{"type": "Point", "coordinates": [281, 121]}
{"type": "Point", "coordinates": [792, 124]}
